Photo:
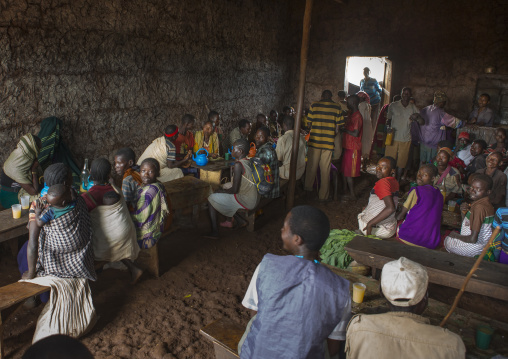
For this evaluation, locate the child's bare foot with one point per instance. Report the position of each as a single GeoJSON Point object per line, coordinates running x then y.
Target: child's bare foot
{"type": "Point", "coordinates": [136, 273]}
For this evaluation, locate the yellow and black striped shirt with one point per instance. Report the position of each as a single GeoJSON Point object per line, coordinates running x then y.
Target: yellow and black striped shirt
{"type": "Point", "coordinates": [324, 115]}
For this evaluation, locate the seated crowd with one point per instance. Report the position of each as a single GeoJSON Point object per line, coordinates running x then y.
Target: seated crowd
{"type": "Point", "coordinates": [71, 234]}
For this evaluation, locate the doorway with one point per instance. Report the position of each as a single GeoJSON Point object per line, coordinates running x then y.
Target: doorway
{"type": "Point", "coordinates": [380, 69]}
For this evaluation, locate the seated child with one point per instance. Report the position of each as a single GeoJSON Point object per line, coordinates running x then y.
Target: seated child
{"type": "Point", "coordinates": [60, 202]}
{"type": "Point", "coordinates": [455, 162]}
{"type": "Point", "coordinates": [378, 218]}
{"type": "Point", "coordinates": [463, 148]}
{"type": "Point", "coordinates": [423, 207]}
{"type": "Point", "coordinates": [150, 207]}
{"type": "Point", "coordinates": [448, 177]}
{"type": "Point", "coordinates": [300, 304]}
{"type": "Point", "coordinates": [499, 146]}
{"type": "Point", "coordinates": [501, 220]}
{"type": "Point", "coordinates": [477, 224]}
{"type": "Point", "coordinates": [497, 195]}
{"type": "Point", "coordinates": [126, 168]}
{"type": "Point", "coordinates": [478, 162]}
{"type": "Point", "coordinates": [110, 198]}
{"type": "Point", "coordinates": [100, 171]}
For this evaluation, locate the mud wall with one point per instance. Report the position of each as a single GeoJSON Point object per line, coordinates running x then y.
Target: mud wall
{"type": "Point", "coordinates": [434, 45]}
{"type": "Point", "coordinates": [117, 72]}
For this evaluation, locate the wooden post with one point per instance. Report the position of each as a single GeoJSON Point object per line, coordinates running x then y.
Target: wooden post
{"type": "Point", "coordinates": [299, 107]}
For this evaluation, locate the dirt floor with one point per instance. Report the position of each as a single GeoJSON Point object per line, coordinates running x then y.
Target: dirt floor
{"type": "Point", "coordinates": [201, 280]}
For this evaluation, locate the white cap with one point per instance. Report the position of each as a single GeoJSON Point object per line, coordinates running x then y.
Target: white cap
{"type": "Point", "coordinates": [404, 282]}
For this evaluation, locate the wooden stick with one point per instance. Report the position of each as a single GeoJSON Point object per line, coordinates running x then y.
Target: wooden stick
{"type": "Point", "coordinates": [299, 107]}
{"type": "Point", "coordinates": [470, 274]}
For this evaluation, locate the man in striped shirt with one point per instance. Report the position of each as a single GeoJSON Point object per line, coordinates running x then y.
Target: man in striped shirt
{"type": "Point", "coordinates": [325, 117]}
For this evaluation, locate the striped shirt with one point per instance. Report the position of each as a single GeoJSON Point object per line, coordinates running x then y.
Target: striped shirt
{"type": "Point", "coordinates": [501, 220]}
{"type": "Point", "coordinates": [324, 115]}
{"type": "Point", "coordinates": [371, 87]}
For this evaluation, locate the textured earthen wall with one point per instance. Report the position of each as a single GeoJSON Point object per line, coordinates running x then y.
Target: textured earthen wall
{"type": "Point", "coordinates": [117, 72]}
{"type": "Point", "coordinates": [434, 44]}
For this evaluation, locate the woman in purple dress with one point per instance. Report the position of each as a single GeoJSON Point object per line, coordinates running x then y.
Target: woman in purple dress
{"type": "Point", "coordinates": [423, 208]}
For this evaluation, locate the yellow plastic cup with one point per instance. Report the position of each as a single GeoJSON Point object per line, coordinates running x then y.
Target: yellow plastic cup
{"type": "Point", "coordinates": [451, 206]}
{"type": "Point", "coordinates": [358, 292]}
{"type": "Point", "coordinates": [25, 202]}
{"type": "Point", "coordinates": [16, 211]}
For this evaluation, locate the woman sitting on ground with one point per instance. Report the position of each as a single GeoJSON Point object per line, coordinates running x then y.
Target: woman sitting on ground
{"type": "Point", "coordinates": [126, 168]}
{"type": "Point", "coordinates": [240, 193]}
{"type": "Point", "coordinates": [19, 176]}
{"type": "Point", "coordinates": [150, 208]}
{"type": "Point", "coordinates": [463, 148]}
{"type": "Point", "coordinates": [448, 178]}
{"type": "Point", "coordinates": [499, 146]}
{"type": "Point", "coordinates": [497, 195]}
{"type": "Point", "coordinates": [114, 235]}
{"type": "Point", "coordinates": [422, 211]}
{"type": "Point", "coordinates": [378, 218]}
{"type": "Point", "coordinates": [207, 139]}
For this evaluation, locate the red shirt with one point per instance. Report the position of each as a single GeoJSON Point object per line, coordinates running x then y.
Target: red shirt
{"type": "Point", "coordinates": [387, 186]}
{"type": "Point", "coordinates": [355, 122]}
{"type": "Point", "coordinates": [184, 143]}
{"type": "Point", "coordinates": [97, 192]}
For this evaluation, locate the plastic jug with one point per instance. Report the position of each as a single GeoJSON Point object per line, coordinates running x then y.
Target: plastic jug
{"type": "Point", "coordinates": [389, 136]}
{"type": "Point", "coordinates": [202, 159]}
{"type": "Point", "coordinates": [252, 151]}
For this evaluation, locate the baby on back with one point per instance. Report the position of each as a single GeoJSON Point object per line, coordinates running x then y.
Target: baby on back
{"type": "Point", "coordinates": [110, 198]}
{"type": "Point", "coordinates": [59, 198]}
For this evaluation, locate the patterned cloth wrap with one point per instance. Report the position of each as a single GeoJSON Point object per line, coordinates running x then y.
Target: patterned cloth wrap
{"type": "Point", "coordinates": [65, 245]}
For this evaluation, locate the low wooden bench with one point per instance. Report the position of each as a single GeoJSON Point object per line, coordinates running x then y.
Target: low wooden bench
{"type": "Point", "coordinates": [443, 268]}
{"type": "Point", "coordinates": [225, 336]}
{"type": "Point", "coordinates": [187, 192]}
{"type": "Point", "coordinates": [251, 214]}
{"type": "Point", "coordinates": [12, 294]}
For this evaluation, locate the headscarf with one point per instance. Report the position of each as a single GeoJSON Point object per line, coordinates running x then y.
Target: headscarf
{"type": "Point", "coordinates": [132, 171]}
{"type": "Point", "coordinates": [447, 150]}
{"type": "Point", "coordinates": [363, 94]}
{"type": "Point", "coordinates": [440, 96]}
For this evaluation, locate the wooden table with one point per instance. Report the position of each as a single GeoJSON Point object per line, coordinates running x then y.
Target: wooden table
{"type": "Point", "coordinates": [213, 171]}
{"type": "Point", "coordinates": [188, 192]}
{"type": "Point", "coordinates": [11, 229]}
{"type": "Point", "coordinates": [444, 268]}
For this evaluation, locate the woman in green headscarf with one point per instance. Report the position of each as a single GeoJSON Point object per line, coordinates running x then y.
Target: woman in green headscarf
{"type": "Point", "coordinates": [19, 175]}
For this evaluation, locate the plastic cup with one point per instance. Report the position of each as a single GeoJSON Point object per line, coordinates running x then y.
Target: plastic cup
{"type": "Point", "coordinates": [16, 211]}
{"type": "Point", "coordinates": [227, 156]}
{"type": "Point", "coordinates": [358, 292]}
{"type": "Point", "coordinates": [451, 206]}
{"type": "Point", "coordinates": [483, 336]}
{"type": "Point", "coordinates": [25, 202]}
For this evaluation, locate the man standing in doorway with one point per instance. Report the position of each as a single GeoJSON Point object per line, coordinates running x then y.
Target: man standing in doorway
{"type": "Point", "coordinates": [325, 117]}
{"type": "Point", "coordinates": [371, 87]}
{"type": "Point", "coordinates": [400, 114]}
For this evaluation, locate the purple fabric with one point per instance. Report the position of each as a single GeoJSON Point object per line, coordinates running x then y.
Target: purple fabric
{"type": "Point", "coordinates": [423, 221]}
{"type": "Point", "coordinates": [503, 258]}
{"type": "Point", "coordinates": [431, 133]}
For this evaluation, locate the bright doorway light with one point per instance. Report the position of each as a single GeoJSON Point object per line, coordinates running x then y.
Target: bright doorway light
{"type": "Point", "coordinates": [354, 71]}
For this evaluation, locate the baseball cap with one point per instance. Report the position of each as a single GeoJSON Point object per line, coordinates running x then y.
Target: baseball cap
{"type": "Point", "coordinates": [404, 282]}
{"type": "Point", "coordinates": [464, 135]}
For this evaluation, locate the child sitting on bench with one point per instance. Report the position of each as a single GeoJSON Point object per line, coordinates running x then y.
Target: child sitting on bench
{"type": "Point", "coordinates": [300, 303]}
{"type": "Point", "coordinates": [422, 211]}
{"type": "Point", "coordinates": [477, 221]}
{"type": "Point", "coordinates": [378, 218]}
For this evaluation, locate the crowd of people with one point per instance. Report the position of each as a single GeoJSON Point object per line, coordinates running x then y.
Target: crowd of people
{"type": "Point", "coordinates": [126, 210]}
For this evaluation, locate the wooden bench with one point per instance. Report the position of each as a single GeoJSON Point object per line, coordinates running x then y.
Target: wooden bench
{"type": "Point", "coordinates": [11, 229]}
{"type": "Point", "coordinates": [187, 192]}
{"type": "Point", "coordinates": [225, 336]}
{"type": "Point", "coordinates": [12, 294]}
{"type": "Point", "coordinates": [443, 268]}
{"type": "Point", "coordinates": [251, 214]}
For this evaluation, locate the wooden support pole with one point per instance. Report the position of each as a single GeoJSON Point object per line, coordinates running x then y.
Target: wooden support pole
{"type": "Point", "coordinates": [470, 274]}
{"type": "Point", "coordinates": [299, 107]}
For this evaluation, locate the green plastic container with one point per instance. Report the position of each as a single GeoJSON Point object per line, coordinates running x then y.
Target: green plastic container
{"type": "Point", "coordinates": [484, 336]}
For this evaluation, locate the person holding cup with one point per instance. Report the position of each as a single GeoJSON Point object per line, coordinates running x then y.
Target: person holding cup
{"type": "Point", "coordinates": [402, 332]}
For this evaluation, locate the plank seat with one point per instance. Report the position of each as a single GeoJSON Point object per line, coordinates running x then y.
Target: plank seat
{"type": "Point", "coordinates": [11, 295]}
{"type": "Point", "coordinates": [251, 213]}
{"type": "Point", "coordinates": [225, 336]}
{"type": "Point", "coordinates": [443, 268]}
